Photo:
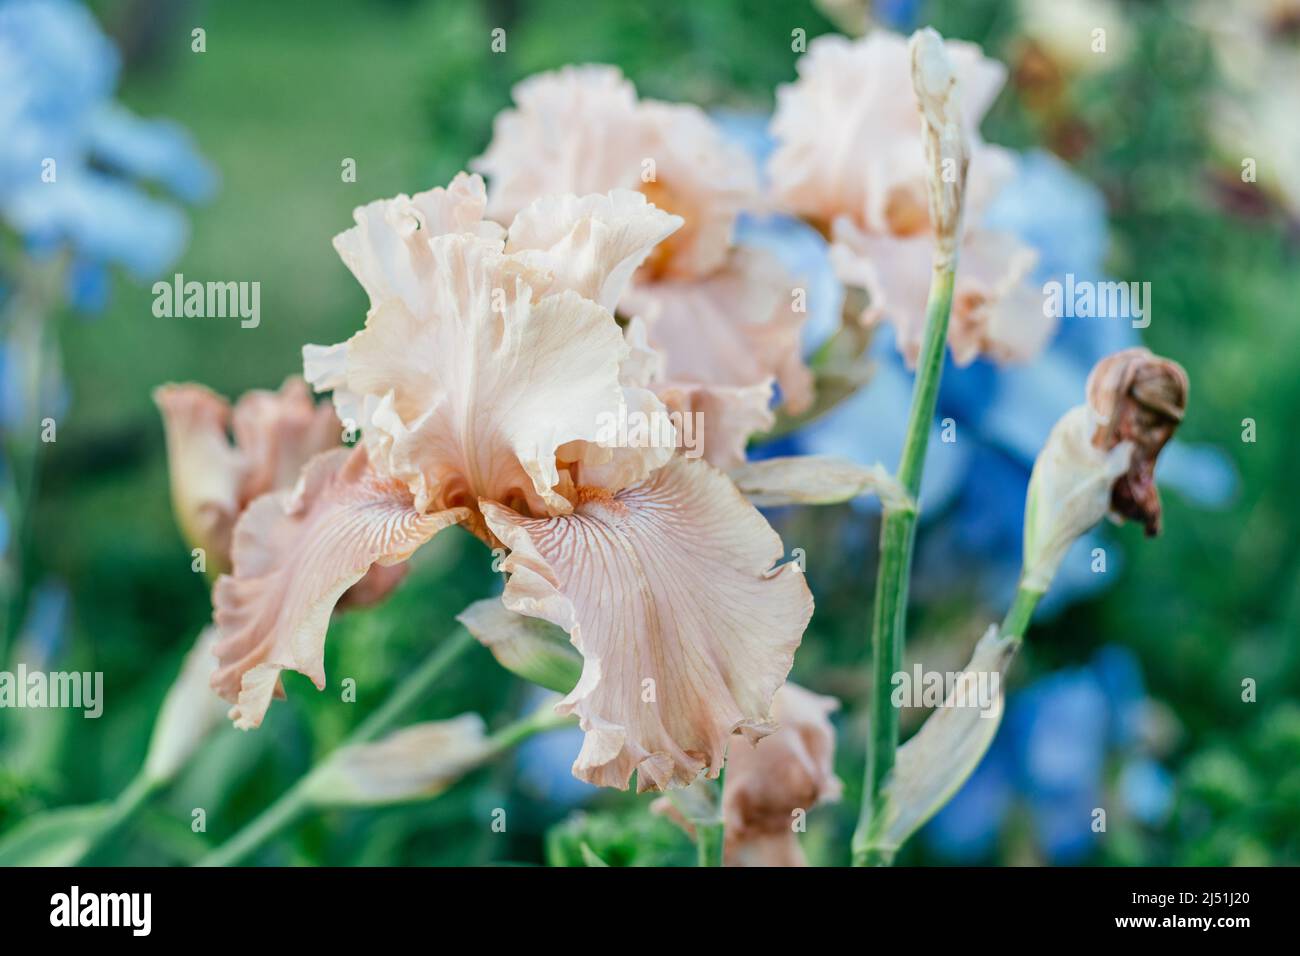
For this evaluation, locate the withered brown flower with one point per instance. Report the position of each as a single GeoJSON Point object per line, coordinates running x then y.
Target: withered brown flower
{"type": "Point", "coordinates": [1140, 397]}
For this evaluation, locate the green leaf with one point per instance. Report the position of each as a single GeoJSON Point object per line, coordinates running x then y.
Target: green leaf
{"type": "Point", "coordinates": [54, 838]}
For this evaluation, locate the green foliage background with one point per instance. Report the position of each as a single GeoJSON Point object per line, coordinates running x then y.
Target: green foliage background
{"type": "Point", "coordinates": [286, 90]}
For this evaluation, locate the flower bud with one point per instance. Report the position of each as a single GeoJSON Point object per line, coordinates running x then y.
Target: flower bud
{"type": "Point", "coordinates": [1100, 458]}
{"type": "Point", "coordinates": [1069, 492]}
{"type": "Point", "coordinates": [526, 646]}
{"type": "Point", "coordinates": [413, 763]}
{"type": "Point", "coordinates": [947, 151]}
{"type": "Point", "coordinates": [189, 712]}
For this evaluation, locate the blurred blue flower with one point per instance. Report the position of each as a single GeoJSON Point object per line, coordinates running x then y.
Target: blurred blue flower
{"type": "Point", "coordinates": [73, 163]}
{"type": "Point", "coordinates": [1050, 756]}
{"type": "Point", "coordinates": [45, 625]}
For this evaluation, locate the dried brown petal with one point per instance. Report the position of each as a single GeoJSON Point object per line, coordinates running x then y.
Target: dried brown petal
{"type": "Point", "coordinates": [1140, 397]}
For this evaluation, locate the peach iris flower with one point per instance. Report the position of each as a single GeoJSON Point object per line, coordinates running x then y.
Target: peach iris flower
{"type": "Point", "coordinates": [849, 159]}
{"type": "Point", "coordinates": [488, 361]}
{"type": "Point", "coordinates": [724, 320]}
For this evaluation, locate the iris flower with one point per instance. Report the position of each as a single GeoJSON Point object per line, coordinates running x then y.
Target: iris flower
{"type": "Point", "coordinates": [489, 359]}
{"type": "Point", "coordinates": [849, 160]}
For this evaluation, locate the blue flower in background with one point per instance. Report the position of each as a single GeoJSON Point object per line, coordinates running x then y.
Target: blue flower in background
{"type": "Point", "coordinates": [72, 161]}
{"type": "Point", "coordinates": [1050, 757]}
{"type": "Point", "coordinates": [75, 173]}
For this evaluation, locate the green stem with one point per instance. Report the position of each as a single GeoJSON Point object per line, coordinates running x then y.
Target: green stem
{"type": "Point", "coordinates": [711, 834]}
{"type": "Point", "coordinates": [29, 328]}
{"type": "Point", "coordinates": [1020, 613]}
{"type": "Point", "coordinates": [709, 840]}
{"type": "Point", "coordinates": [297, 800]}
{"type": "Point", "coordinates": [897, 538]}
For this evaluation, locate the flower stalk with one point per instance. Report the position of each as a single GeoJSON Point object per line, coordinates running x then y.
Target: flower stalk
{"type": "Point", "coordinates": [897, 538]}
{"type": "Point", "coordinates": [947, 160]}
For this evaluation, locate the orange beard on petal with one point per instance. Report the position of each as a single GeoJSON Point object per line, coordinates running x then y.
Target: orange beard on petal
{"type": "Point", "coordinates": [907, 212]}
{"type": "Point", "coordinates": [660, 263]}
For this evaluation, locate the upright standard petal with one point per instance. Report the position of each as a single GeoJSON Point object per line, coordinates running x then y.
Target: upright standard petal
{"type": "Point", "coordinates": [573, 130]}
{"type": "Point", "coordinates": [278, 433]}
{"type": "Point", "coordinates": [205, 469]}
{"type": "Point", "coordinates": [590, 244]}
{"type": "Point", "coordinates": [582, 130]}
{"type": "Point", "coordinates": [479, 389]}
{"type": "Point", "coordinates": [387, 249]}
{"type": "Point", "coordinates": [295, 553]}
{"type": "Point", "coordinates": [686, 630]}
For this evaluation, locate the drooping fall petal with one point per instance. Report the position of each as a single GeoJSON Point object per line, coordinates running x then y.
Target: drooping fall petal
{"type": "Point", "coordinates": [668, 591]}
{"type": "Point", "coordinates": [717, 420]}
{"type": "Point", "coordinates": [295, 553]}
{"type": "Point", "coordinates": [996, 310]}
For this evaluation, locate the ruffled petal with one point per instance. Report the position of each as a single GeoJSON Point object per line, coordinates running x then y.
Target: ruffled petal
{"type": "Point", "coordinates": [848, 140]}
{"type": "Point", "coordinates": [295, 553]}
{"type": "Point", "coordinates": [591, 244]}
{"type": "Point", "coordinates": [478, 390]}
{"type": "Point", "coordinates": [387, 249]}
{"type": "Point", "coordinates": [686, 630]}
{"type": "Point", "coordinates": [582, 130]}
{"type": "Point", "coordinates": [573, 130]}
{"type": "Point", "coordinates": [740, 326]}
{"type": "Point", "coordinates": [700, 176]}
{"type": "Point", "coordinates": [996, 310]}
{"type": "Point", "coordinates": [716, 421]}
{"type": "Point", "coordinates": [279, 432]}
